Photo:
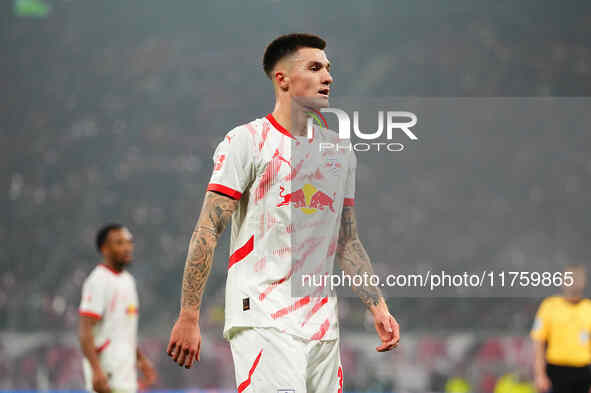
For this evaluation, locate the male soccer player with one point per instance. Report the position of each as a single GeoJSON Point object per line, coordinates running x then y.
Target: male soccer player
{"type": "Point", "coordinates": [292, 209]}
{"type": "Point", "coordinates": [109, 317]}
{"type": "Point", "coordinates": [562, 348]}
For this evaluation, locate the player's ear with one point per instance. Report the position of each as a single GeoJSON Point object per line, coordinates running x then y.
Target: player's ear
{"type": "Point", "coordinates": [105, 250]}
{"type": "Point", "coordinates": [281, 79]}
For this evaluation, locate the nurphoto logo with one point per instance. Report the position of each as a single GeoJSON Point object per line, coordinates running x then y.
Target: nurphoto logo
{"type": "Point", "coordinates": [397, 123]}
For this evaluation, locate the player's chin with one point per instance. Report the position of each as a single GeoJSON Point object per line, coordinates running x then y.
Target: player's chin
{"type": "Point", "coordinates": [321, 101]}
{"type": "Point", "coordinates": [314, 102]}
{"type": "Point", "coordinates": [126, 260]}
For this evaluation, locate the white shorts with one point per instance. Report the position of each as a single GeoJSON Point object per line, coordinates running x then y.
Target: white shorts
{"type": "Point", "coordinates": [268, 361]}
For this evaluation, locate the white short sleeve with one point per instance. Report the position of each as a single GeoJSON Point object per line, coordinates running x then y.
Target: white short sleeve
{"type": "Point", "coordinates": [233, 164]}
{"type": "Point", "coordinates": [93, 298]}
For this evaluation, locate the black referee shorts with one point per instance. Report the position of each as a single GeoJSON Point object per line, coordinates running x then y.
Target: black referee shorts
{"type": "Point", "coordinates": [569, 379]}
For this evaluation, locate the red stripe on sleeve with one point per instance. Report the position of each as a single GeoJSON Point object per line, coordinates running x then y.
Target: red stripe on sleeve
{"type": "Point", "coordinates": [224, 190]}
{"type": "Point", "coordinates": [90, 314]}
{"type": "Point", "coordinates": [349, 202]}
{"type": "Point", "coordinates": [246, 383]}
{"type": "Point", "coordinates": [242, 252]}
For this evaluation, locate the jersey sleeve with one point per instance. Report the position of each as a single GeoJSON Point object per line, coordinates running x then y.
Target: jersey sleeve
{"type": "Point", "coordinates": [541, 325]}
{"type": "Point", "coordinates": [350, 181]}
{"type": "Point", "coordinates": [93, 299]}
{"type": "Point", "coordinates": [233, 164]}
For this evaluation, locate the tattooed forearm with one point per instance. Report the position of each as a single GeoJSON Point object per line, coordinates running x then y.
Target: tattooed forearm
{"type": "Point", "coordinates": [353, 259]}
{"type": "Point", "coordinates": [215, 215]}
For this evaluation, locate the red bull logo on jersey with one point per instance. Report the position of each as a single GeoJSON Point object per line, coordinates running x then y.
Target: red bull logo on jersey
{"type": "Point", "coordinates": [308, 199]}
{"type": "Point", "coordinates": [131, 310]}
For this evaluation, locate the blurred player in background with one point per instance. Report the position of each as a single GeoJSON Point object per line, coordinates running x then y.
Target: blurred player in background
{"type": "Point", "coordinates": [280, 342]}
{"type": "Point", "coordinates": [109, 318]}
{"type": "Point", "coordinates": [561, 339]}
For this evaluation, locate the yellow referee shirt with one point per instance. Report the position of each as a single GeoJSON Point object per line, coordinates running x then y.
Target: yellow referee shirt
{"type": "Point", "coordinates": [566, 327]}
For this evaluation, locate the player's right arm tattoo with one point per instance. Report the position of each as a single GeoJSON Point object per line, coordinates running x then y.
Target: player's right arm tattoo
{"type": "Point", "coordinates": [215, 214]}
{"type": "Point", "coordinates": [353, 259]}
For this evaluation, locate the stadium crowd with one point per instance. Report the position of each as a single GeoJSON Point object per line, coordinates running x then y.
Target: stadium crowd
{"type": "Point", "coordinates": [424, 363]}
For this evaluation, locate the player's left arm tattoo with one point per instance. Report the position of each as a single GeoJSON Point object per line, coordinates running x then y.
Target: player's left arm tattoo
{"type": "Point", "coordinates": [353, 259]}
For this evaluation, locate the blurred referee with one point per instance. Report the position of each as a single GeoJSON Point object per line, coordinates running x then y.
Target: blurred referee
{"type": "Point", "coordinates": [561, 339]}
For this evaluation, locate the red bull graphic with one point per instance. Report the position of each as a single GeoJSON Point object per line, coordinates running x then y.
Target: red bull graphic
{"type": "Point", "coordinates": [320, 200]}
{"type": "Point", "coordinates": [297, 198]}
{"type": "Point", "coordinates": [131, 309]}
{"type": "Point", "coordinates": [308, 198]}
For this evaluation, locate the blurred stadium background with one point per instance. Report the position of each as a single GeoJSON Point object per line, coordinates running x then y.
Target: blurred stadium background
{"type": "Point", "coordinates": [111, 110]}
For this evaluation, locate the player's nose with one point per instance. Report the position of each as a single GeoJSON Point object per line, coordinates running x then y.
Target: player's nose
{"type": "Point", "coordinates": [327, 78]}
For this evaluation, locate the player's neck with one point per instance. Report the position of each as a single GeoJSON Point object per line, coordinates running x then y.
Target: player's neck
{"type": "Point", "coordinates": [573, 298]}
{"type": "Point", "coordinates": [295, 120]}
{"type": "Point", "coordinates": [114, 266]}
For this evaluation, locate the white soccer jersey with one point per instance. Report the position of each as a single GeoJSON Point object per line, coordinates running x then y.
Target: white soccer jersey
{"type": "Point", "coordinates": [286, 224]}
{"type": "Point", "coordinates": [111, 297]}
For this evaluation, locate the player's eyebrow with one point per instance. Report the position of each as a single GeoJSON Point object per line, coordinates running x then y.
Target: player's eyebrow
{"type": "Point", "coordinates": [316, 62]}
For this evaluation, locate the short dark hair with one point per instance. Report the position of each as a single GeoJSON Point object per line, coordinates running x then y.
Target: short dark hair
{"type": "Point", "coordinates": [103, 233]}
{"type": "Point", "coordinates": [287, 44]}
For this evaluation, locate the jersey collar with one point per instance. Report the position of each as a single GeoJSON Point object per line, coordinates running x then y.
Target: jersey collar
{"type": "Point", "coordinates": [109, 268]}
{"type": "Point", "coordinates": [280, 128]}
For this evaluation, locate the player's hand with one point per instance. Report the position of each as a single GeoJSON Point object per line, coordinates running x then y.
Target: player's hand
{"type": "Point", "coordinates": [185, 341]}
{"type": "Point", "coordinates": [100, 383]}
{"type": "Point", "coordinates": [386, 327]}
{"type": "Point", "coordinates": [542, 383]}
{"type": "Point", "coordinates": [148, 371]}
